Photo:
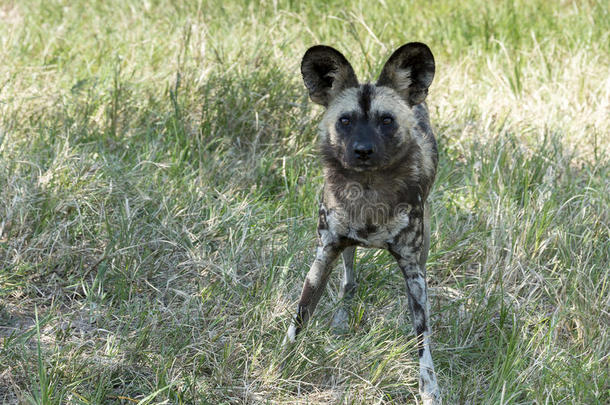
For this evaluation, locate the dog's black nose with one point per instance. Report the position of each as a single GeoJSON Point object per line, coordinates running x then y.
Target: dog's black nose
{"type": "Point", "coordinates": [363, 150]}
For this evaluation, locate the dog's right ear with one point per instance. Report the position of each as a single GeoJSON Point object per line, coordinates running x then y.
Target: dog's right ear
{"type": "Point", "coordinates": [409, 71]}
{"type": "Point", "coordinates": [326, 73]}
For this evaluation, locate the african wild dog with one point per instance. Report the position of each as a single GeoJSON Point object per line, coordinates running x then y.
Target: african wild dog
{"type": "Point", "coordinates": [379, 158]}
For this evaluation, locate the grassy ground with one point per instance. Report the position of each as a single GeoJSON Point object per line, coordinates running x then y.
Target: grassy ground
{"type": "Point", "coordinates": [158, 191]}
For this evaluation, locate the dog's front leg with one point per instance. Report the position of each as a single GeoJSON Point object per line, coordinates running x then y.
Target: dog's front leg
{"type": "Point", "coordinates": [407, 254]}
{"type": "Point", "coordinates": [314, 284]}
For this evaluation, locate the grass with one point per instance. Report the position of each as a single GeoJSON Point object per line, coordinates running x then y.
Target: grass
{"type": "Point", "coordinates": [159, 183]}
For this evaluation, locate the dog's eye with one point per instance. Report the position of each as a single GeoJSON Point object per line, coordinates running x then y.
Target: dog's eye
{"type": "Point", "coordinates": [344, 121]}
{"type": "Point", "coordinates": [387, 120]}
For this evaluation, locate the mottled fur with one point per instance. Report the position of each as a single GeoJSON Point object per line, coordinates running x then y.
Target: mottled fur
{"type": "Point", "coordinates": [379, 157]}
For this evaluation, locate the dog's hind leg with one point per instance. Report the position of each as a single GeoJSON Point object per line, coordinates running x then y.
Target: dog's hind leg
{"type": "Point", "coordinates": [340, 323]}
{"type": "Point", "coordinates": [314, 284]}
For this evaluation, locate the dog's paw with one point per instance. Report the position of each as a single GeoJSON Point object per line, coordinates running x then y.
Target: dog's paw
{"type": "Point", "coordinates": [431, 398]}
{"type": "Point", "coordinates": [340, 323]}
{"type": "Point", "coordinates": [290, 337]}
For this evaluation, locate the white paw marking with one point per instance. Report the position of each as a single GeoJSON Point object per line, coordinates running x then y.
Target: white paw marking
{"type": "Point", "coordinates": [290, 335]}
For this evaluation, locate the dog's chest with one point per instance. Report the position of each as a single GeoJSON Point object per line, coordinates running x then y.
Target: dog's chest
{"type": "Point", "coordinates": [369, 226]}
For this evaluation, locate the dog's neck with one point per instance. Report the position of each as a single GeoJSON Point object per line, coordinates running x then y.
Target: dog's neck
{"type": "Point", "coordinates": [402, 182]}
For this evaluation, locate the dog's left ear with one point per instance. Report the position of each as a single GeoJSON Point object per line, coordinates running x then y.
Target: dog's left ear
{"type": "Point", "coordinates": [326, 73]}
{"type": "Point", "coordinates": [409, 71]}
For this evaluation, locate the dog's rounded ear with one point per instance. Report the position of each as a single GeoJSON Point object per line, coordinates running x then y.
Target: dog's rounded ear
{"type": "Point", "coordinates": [326, 73]}
{"type": "Point", "coordinates": [409, 71]}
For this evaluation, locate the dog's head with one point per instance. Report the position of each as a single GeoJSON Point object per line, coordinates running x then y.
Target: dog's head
{"type": "Point", "coordinates": [367, 126]}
